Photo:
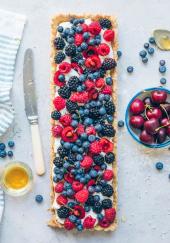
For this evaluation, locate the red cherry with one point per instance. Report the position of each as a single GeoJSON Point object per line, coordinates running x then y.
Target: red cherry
{"type": "Point", "coordinates": [161, 135]}
{"type": "Point", "coordinates": [158, 96]}
{"type": "Point", "coordinates": [137, 121]}
{"type": "Point", "coordinates": [168, 131]}
{"type": "Point", "coordinates": [137, 107]}
{"type": "Point", "coordinates": [165, 122]}
{"type": "Point", "coordinates": [151, 125]}
{"type": "Point", "coordinates": [154, 113]}
{"type": "Point", "coordinates": [146, 138]}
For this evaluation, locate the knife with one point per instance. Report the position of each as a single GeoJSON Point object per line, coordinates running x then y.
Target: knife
{"type": "Point", "coordinates": [32, 112]}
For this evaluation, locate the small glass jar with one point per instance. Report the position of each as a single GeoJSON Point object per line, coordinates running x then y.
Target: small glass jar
{"type": "Point", "coordinates": [16, 178]}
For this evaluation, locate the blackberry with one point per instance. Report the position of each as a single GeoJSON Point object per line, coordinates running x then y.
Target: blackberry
{"type": "Point", "coordinates": [64, 92]}
{"type": "Point", "coordinates": [70, 50]}
{"type": "Point", "coordinates": [71, 106]}
{"type": "Point", "coordinates": [62, 152]}
{"type": "Point", "coordinates": [109, 158]}
{"type": "Point", "coordinates": [59, 57]}
{"type": "Point", "coordinates": [94, 112]}
{"type": "Point", "coordinates": [63, 212]}
{"type": "Point", "coordinates": [110, 107]}
{"type": "Point", "coordinates": [108, 130]}
{"type": "Point", "coordinates": [59, 43]}
{"type": "Point", "coordinates": [102, 73]}
{"type": "Point", "coordinates": [105, 23]}
{"type": "Point", "coordinates": [107, 190]}
{"type": "Point", "coordinates": [77, 58]}
{"type": "Point", "coordinates": [55, 115]}
{"type": "Point", "coordinates": [108, 63]}
{"type": "Point", "coordinates": [58, 162]}
{"type": "Point", "coordinates": [106, 203]}
{"type": "Point", "coordinates": [73, 83]}
{"type": "Point", "coordinates": [98, 159]}
{"type": "Point", "coordinates": [97, 208]}
{"type": "Point", "coordinates": [90, 201]}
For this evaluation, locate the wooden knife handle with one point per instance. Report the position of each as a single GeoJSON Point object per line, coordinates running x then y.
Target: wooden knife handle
{"type": "Point", "coordinates": [37, 150]}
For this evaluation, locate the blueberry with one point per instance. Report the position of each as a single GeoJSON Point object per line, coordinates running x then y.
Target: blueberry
{"type": "Point", "coordinates": [119, 54]}
{"type": "Point", "coordinates": [67, 31]}
{"type": "Point", "coordinates": [98, 188]}
{"type": "Point", "coordinates": [72, 218]}
{"type": "Point", "coordinates": [70, 192]}
{"type": "Point", "coordinates": [120, 123]}
{"type": "Point", "coordinates": [61, 78]}
{"type": "Point", "coordinates": [77, 165]}
{"type": "Point", "coordinates": [145, 60]}
{"type": "Point", "coordinates": [162, 62]}
{"type": "Point", "coordinates": [100, 216]}
{"type": "Point", "coordinates": [96, 75]}
{"type": "Point", "coordinates": [78, 142]}
{"type": "Point", "coordinates": [79, 29]}
{"type": "Point", "coordinates": [146, 45]}
{"type": "Point", "coordinates": [84, 46]}
{"type": "Point", "coordinates": [163, 80]}
{"type": "Point", "coordinates": [66, 165]}
{"type": "Point", "coordinates": [90, 76]}
{"type": "Point", "coordinates": [143, 53]}
{"type": "Point", "coordinates": [67, 145]}
{"type": "Point", "coordinates": [2, 146]}
{"type": "Point", "coordinates": [79, 49]}
{"type": "Point", "coordinates": [98, 127]}
{"type": "Point", "coordinates": [81, 21]}
{"type": "Point", "coordinates": [87, 208]}
{"type": "Point", "coordinates": [130, 69]}
{"type": "Point", "coordinates": [91, 189]}
{"type": "Point", "coordinates": [103, 166]}
{"type": "Point", "coordinates": [64, 193]}
{"type": "Point", "coordinates": [86, 144]}
{"type": "Point", "coordinates": [151, 50]}
{"type": "Point", "coordinates": [159, 165]}
{"type": "Point", "coordinates": [86, 111]}
{"type": "Point", "coordinates": [75, 148]}
{"type": "Point", "coordinates": [96, 198]}
{"type": "Point", "coordinates": [109, 81]}
{"type": "Point", "coordinates": [102, 111]}
{"type": "Point", "coordinates": [93, 173]}
{"type": "Point", "coordinates": [152, 40]}
{"type": "Point", "coordinates": [79, 157]}
{"type": "Point", "coordinates": [74, 123]}
{"type": "Point", "coordinates": [101, 97]}
{"type": "Point", "coordinates": [87, 177]}
{"type": "Point", "coordinates": [86, 35]}
{"type": "Point", "coordinates": [10, 153]}
{"type": "Point", "coordinates": [55, 179]}
{"type": "Point", "coordinates": [3, 154]}
{"type": "Point", "coordinates": [77, 177]}
{"type": "Point", "coordinates": [162, 69]}
{"type": "Point", "coordinates": [80, 227]}
{"type": "Point", "coordinates": [60, 29]}
{"type": "Point", "coordinates": [56, 170]}
{"type": "Point", "coordinates": [82, 78]}
{"type": "Point", "coordinates": [82, 180]}
{"type": "Point", "coordinates": [71, 33]}
{"type": "Point", "coordinates": [97, 41]}
{"type": "Point", "coordinates": [92, 42]}
{"type": "Point", "coordinates": [93, 103]}
{"type": "Point", "coordinates": [106, 97]}
{"type": "Point", "coordinates": [91, 138]}
{"type": "Point", "coordinates": [71, 204]}
{"type": "Point", "coordinates": [70, 40]}
{"type": "Point", "coordinates": [110, 119]}
{"type": "Point", "coordinates": [81, 62]}
{"type": "Point", "coordinates": [88, 121]}
{"type": "Point", "coordinates": [83, 136]}
{"type": "Point", "coordinates": [39, 198]}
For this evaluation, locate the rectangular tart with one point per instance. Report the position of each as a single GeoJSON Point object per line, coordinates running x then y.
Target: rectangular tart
{"type": "Point", "coordinates": [83, 122]}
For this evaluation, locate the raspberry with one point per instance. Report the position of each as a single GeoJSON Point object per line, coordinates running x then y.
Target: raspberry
{"type": "Point", "coordinates": [89, 222]}
{"type": "Point", "coordinates": [61, 200]}
{"type": "Point", "coordinates": [106, 203]}
{"type": "Point", "coordinates": [84, 27]}
{"type": "Point", "coordinates": [95, 147]}
{"type": "Point", "coordinates": [97, 167]}
{"type": "Point", "coordinates": [107, 90]}
{"type": "Point", "coordinates": [65, 120]}
{"type": "Point", "coordinates": [72, 107]}
{"type": "Point", "coordinates": [68, 134]}
{"type": "Point", "coordinates": [79, 211]}
{"type": "Point", "coordinates": [59, 187]}
{"type": "Point", "coordinates": [109, 35]}
{"type": "Point", "coordinates": [94, 28]}
{"type": "Point", "coordinates": [80, 129]}
{"type": "Point", "coordinates": [80, 97]}
{"type": "Point", "coordinates": [90, 131]}
{"type": "Point", "coordinates": [56, 130]}
{"type": "Point", "coordinates": [106, 145]}
{"type": "Point", "coordinates": [109, 63]}
{"type": "Point", "coordinates": [110, 214]}
{"type": "Point", "coordinates": [69, 178]}
{"type": "Point", "coordinates": [70, 50]}
{"type": "Point", "coordinates": [63, 212]}
{"type": "Point", "coordinates": [100, 82]}
{"type": "Point", "coordinates": [93, 94]}
{"type": "Point", "coordinates": [104, 223]}
{"type": "Point", "coordinates": [82, 195]}
{"type": "Point", "coordinates": [89, 84]}
{"type": "Point", "coordinates": [56, 80]}
{"type": "Point", "coordinates": [77, 186]}
{"type": "Point", "coordinates": [77, 68]}
{"type": "Point", "coordinates": [78, 39]}
{"type": "Point", "coordinates": [91, 183]}
{"type": "Point", "coordinates": [68, 225]}
{"type": "Point", "coordinates": [64, 92]}
{"type": "Point", "coordinates": [91, 50]}
{"type": "Point", "coordinates": [59, 43]}
{"type": "Point", "coordinates": [59, 57]}
{"type": "Point", "coordinates": [86, 162]}
{"type": "Point", "coordinates": [108, 175]}
{"type": "Point", "coordinates": [59, 103]}
{"type": "Point", "coordinates": [64, 67]}
{"type": "Point", "coordinates": [93, 62]}
{"type": "Point", "coordinates": [105, 23]}
{"type": "Point", "coordinates": [107, 190]}
{"type": "Point", "coordinates": [103, 49]}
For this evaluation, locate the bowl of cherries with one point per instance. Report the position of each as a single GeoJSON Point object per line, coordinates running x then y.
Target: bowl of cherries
{"type": "Point", "coordinates": [148, 117]}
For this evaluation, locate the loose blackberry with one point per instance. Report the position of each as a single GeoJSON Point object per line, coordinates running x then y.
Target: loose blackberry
{"type": "Point", "coordinates": [108, 64]}
{"type": "Point", "coordinates": [64, 92]}
{"type": "Point", "coordinates": [63, 212]}
{"type": "Point", "coordinates": [59, 57]}
{"type": "Point", "coordinates": [73, 83]}
{"type": "Point", "coordinates": [90, 201]}
{"type": "Point", "coordinates": [70, 50]}
{"type": "Point", "coordinates": [62, 152]}
{"type": "Point", "coordinates": [94, 112]}
{"type": "Point", "coordinates": [55, 115]}
{"type": "Point", "coordinates": [108, 130]}
{"type": "Point", "coordinates": [107, 190]}
{"type": "Point", "coordinates": [109, 158]}
{"type": "Point", "coordinates": [106, 203]}
{"type": "Point", "coordinates": [58, 162]}
{"type": "Point", "coordinates": [71, 106]}
{"type": "Point", "coordinates": [110, 107]}
{"type": "Point", "coordinates": [59, 43]}
{"type": "Point", "coordinates": [77, 58]}
{"type": "Point", "coordinates": [98, 159]}
{"type": "Point", "coordinates": [97, 208]}
{"type": "Point", "coordinates": [105, 23]}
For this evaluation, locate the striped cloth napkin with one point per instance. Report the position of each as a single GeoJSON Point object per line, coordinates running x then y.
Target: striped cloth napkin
{"type": "Point", "coordinates": [11, 30]}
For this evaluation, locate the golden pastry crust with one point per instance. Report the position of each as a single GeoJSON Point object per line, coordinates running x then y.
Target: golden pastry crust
{"type": "Point", "coordinates": [56, 20]}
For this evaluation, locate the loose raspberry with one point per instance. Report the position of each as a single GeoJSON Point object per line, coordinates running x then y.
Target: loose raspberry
{"type": "Point", "coordinates": [104, 223]}
{"type": "Point", "coordinates": [106, 145]}
{"type": "Point", "coordinates": [103, 49]}
{"type": "Point", "coordinates": [89, 222]}
{"type": "Point", "coordinates": [94, 28]}
{"type": "Point", "coordinates": [65, 67]}
{"type": "Point", "coordinates": [100, 82]}
{"type": "Point", "coordinates": [68, 134]}
{"type": "Point", "coordinates": [57, 130]}
{"type": "Point", "coordinates": [91, 50]}
{"type": "Point", "coordinates": [91, 130]}
{"type": "Point", "coordinates": [80, 97]}
{"type": "Point", "coordinates": [59, 103]}
{"type": "Point", "coordinates": [107, 90]}
{"type": "Point", "coordinates": [109, 35]}
{"type": "Point", "coordinates": [91, 183]}
{"type": "Point", "coordinates": [77, 186]}
{"type": "Point", "coordinates": [65, 120]}
{"type": "Point", "coordinates": [95, 147]}
{"type": "Point", "coordinates": [77, 68]}
{"type": "Point", "coordinates": [56, 80]}
{"type": "Point", "coordinates": [61, 200]}
{"type": "Point", "coordinates": [79, 211]}
{"type": "Point", "coordinates": [108, 175]}
{"type": "Point", "coordinates": [87, 162]}
{"type": "Point", "coordinates": [84, 27]}
{"type": "Point", "coordinates": [69, 178]}
{"type": "Point", "coordinates": [93, 94]}
{"type": "Point", "coordinates": [59, 187]}
{"type": "Point", "coordinates": [80, 129]}
{"type": "Point", "coordinates": [93, 62]}
{"type": "Point", "coordinates": [82, 195]}
{"type": "Point", "coordinates": [110, 214]}
{"type": "Point", "coordinates": [97, 167]}
{"type": "Point", "coordinates": [89, 84]}
{"type": "Point", "coordinates": [68, 225]}
{"type": "Point", "coordinates": [78, 39]}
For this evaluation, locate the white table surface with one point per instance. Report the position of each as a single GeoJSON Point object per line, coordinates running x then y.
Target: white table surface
{"type": "Point", "coordinates": [144, 193]}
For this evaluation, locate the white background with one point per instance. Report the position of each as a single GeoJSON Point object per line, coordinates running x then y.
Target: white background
{"type": "Point", "coordinates": [144, 193]}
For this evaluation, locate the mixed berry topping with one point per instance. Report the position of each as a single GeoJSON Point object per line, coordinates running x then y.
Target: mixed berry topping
{"type": "Point", "coordinates": [83, 124]}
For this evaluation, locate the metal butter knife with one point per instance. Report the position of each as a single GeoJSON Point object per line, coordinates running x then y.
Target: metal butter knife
{"type": "Point", "coordinates": [31, 111]}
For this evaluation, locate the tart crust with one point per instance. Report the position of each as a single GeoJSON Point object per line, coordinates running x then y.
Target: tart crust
{"type": "Point", "coordinates": [55, 21]}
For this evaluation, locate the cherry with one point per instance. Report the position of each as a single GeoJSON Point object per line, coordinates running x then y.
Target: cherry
{"type": "Point", "coordinates": [165, 108]}
{"type": "Point", "coordinates": [158, 96]}
{"type": "Point", "coordinates": [154, 113]}
{"type": "Point", "coordinates": [137, 107]}
{"type": "Point", "coordinates": [137, 121]}
{"type": "Point", "coordinates": [168, 131]}
{"type": "Point", "coordinates": [161, 135]}
{"type": "Point", "coordinates": [146, 138]}
{"type": "Point", "coordinates": [147, 101]}
{"type": "Point", "coordinates": [151, 125]}
{"type": "Point", "coordinates": [165, 122]}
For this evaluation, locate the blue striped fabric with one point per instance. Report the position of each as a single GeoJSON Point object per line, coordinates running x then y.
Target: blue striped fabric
{"type": "Point", "coordinates": [1, 204]}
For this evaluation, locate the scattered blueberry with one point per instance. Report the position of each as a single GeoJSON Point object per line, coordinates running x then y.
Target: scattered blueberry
{"type": "Point", "coordinates": [60, 29]}
{"type": "Point", "coordinates": [143, 53]}
{"type": "Point", "coordinates": [10, 153]}
{"type": "Point", "coordinates": [152, 40]}
{"type": "Point", "coordinates": [145, 60]}
{"type": "Point", "coordinates": [162, 69]}
{"type": "Point", "coordinates": [120, 123]}
{"type": "Point", "coordinates": [162, 62]}
{"type": "Point", "coordinates": [163, 80]}
{"type": "Point", "coordinates": [39, 198]}
{"type": "Point", "coordinates": [159, 165]}
{"type": "Point", "coordinates": [169, 176]}
{"type": "Point", "coordinates": [146, 45]}
{"type": "Point", "coordinates": [130, 69]}
{"type": "Point", "coordinates": [2, 146]}
{"type": "Point", "coordinates": [151, 50]}
{"type": "Point", "coordinates": [119, 54]}
{"type": "Point", "coordinates": [3, 154]}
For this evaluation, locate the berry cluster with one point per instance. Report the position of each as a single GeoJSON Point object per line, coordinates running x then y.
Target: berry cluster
{"type": "Point", "coordinates": [83, 116]}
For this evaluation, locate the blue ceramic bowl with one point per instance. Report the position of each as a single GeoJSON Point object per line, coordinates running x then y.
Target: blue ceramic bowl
{"type": "Point", "coordinates": [135, 132]}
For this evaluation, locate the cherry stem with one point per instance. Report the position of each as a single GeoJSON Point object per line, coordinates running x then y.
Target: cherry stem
{"type": "Point", "coordinates": [165, 110]}
{"type": "Point", "coordinates": [147, 107]}
{"type": "Point", "coordinates": [157, 129]}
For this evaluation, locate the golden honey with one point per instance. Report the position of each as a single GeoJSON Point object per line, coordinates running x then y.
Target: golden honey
{"type": "Point", "coordinates": [165, 43]}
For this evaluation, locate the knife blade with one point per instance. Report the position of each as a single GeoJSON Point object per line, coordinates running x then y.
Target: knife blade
{"type": "Point", "coordinates": [31, 110]}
